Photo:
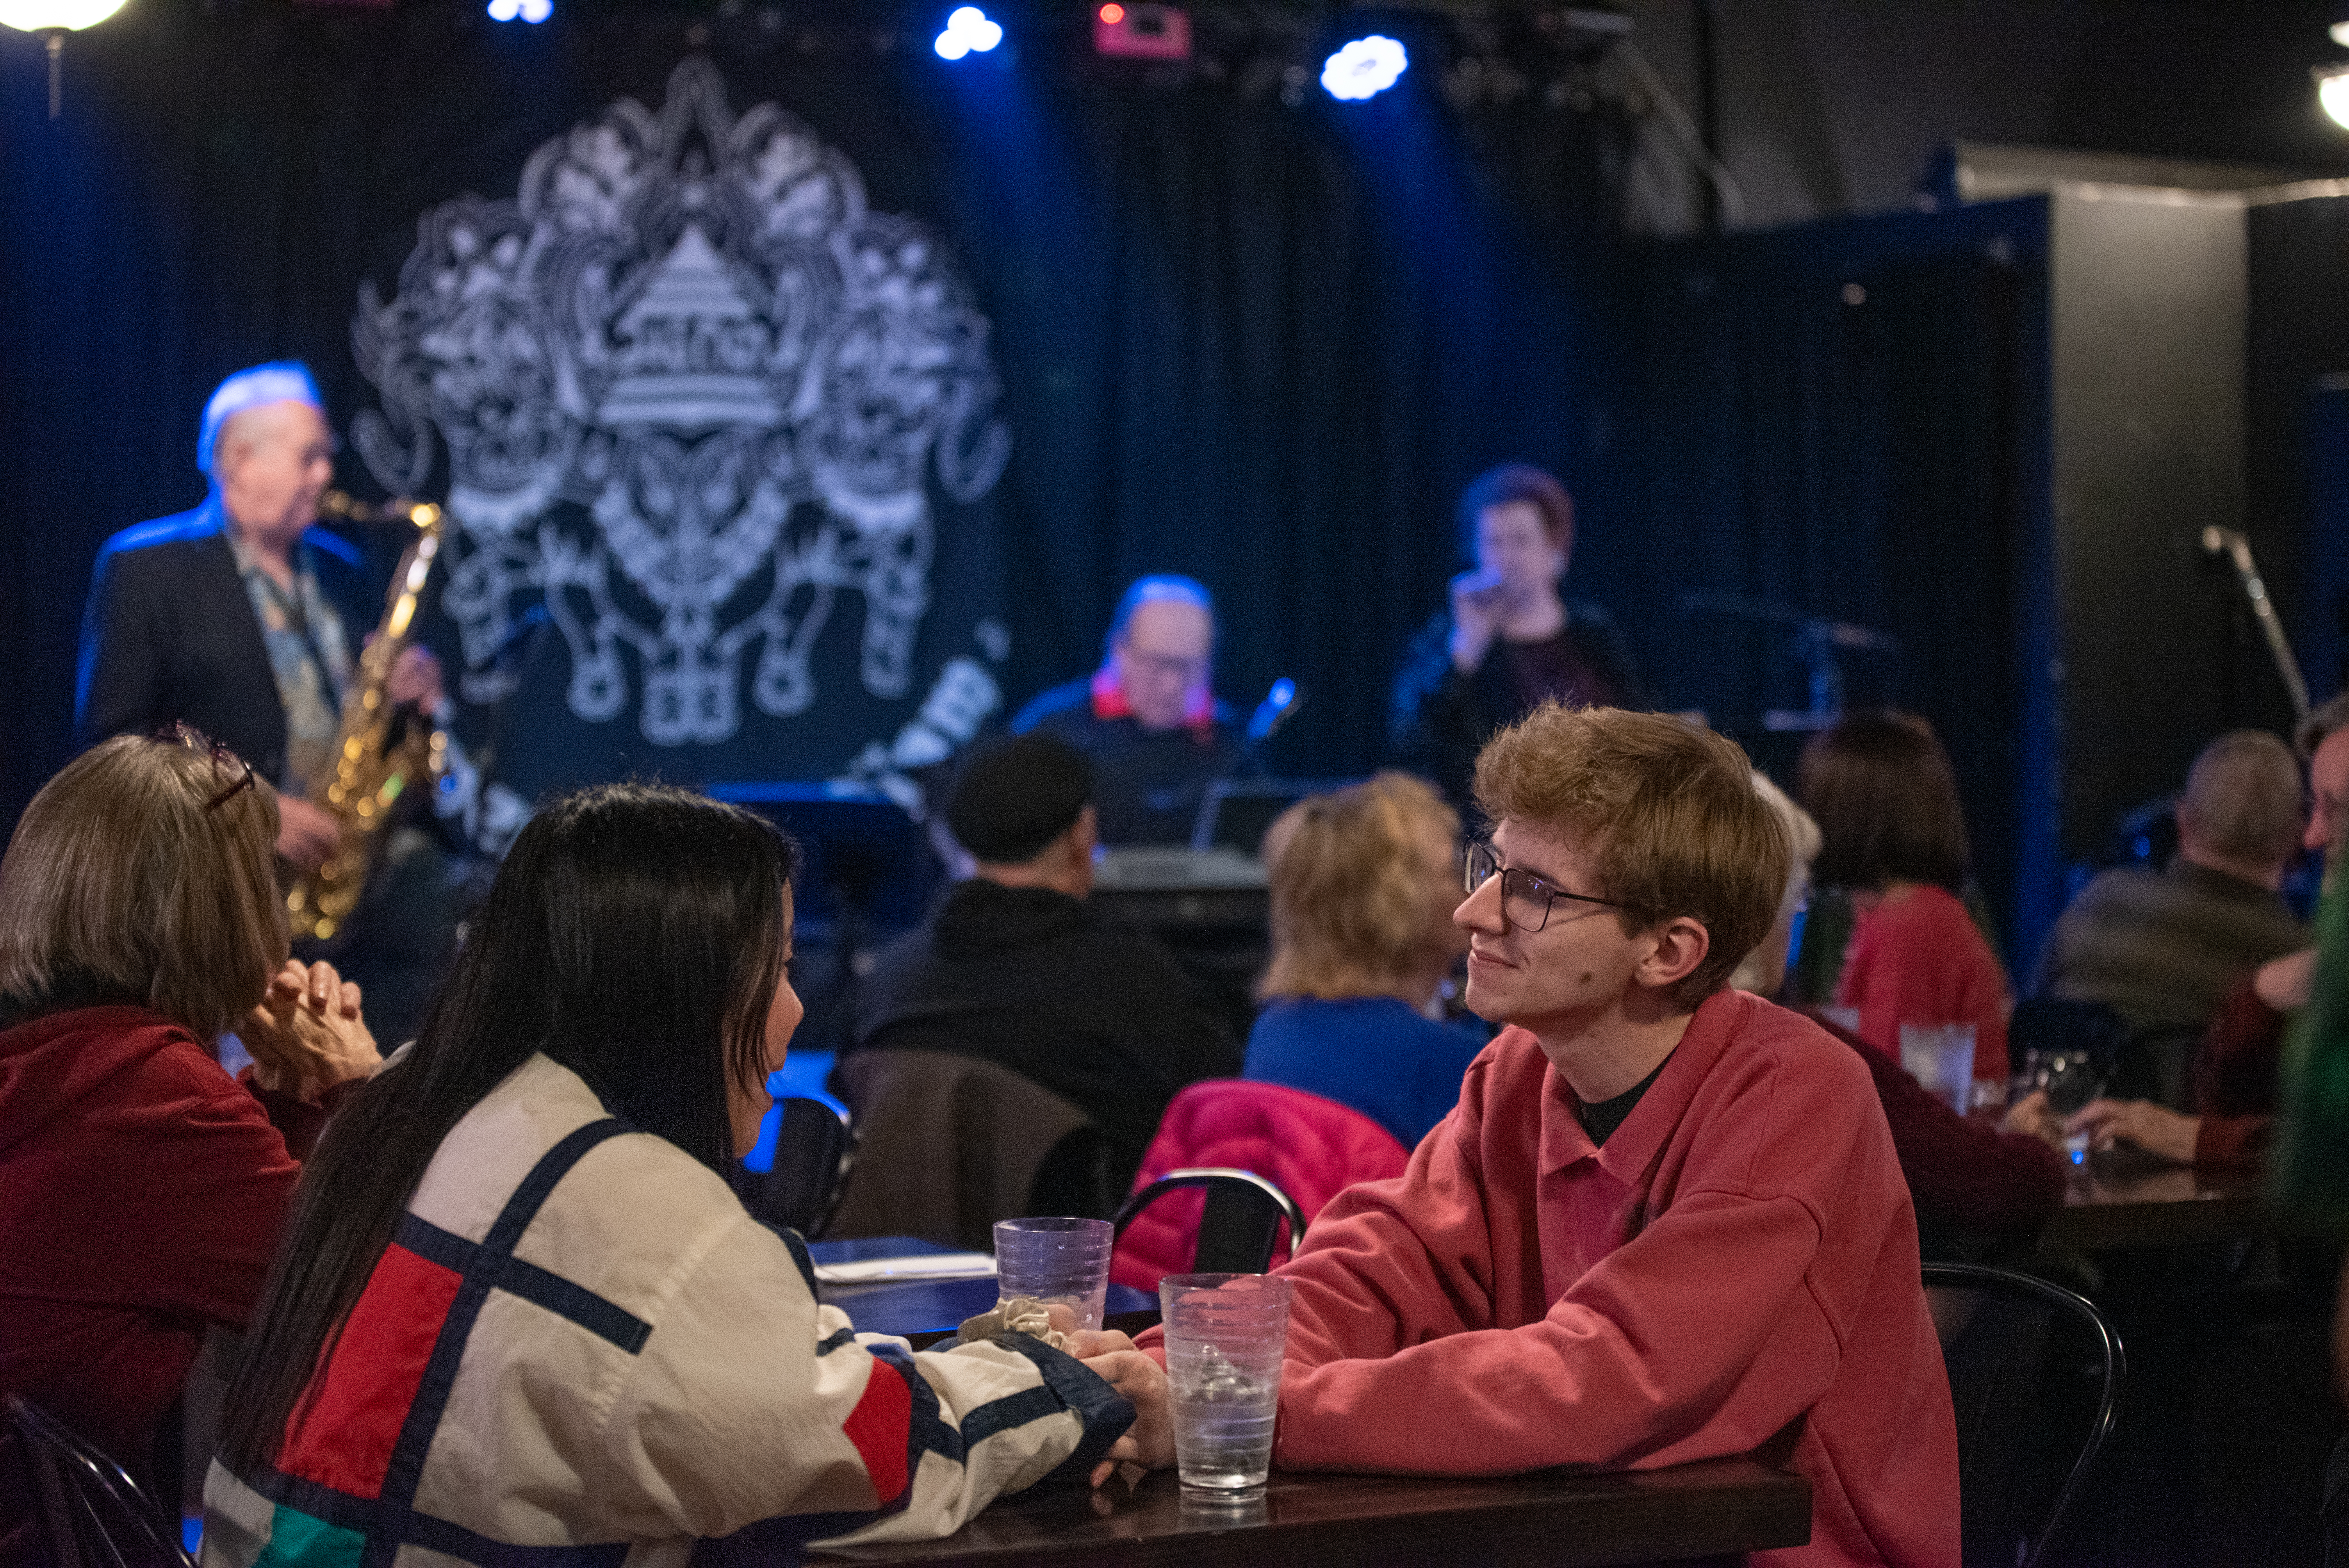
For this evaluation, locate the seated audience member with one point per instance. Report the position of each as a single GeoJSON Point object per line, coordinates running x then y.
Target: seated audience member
{"type": "Point", "coordinates": [1508, 639]}
{"type": "Point", "coordinates": [1895, 839]}
{"type": "Point", "coordinates": [2237, 1084]}
{"type": "Point", "coordinates": [1363, 886]}
{"type": "Point", "coordinates": [1967, 1178]}
{"type": "Point", "coordinates": [2162, 949]}
{"type": "Point", "coordinates": [141, 1188]}
{"type": "Point", "coordinates": [651, 1365]}
{"type": "Point", "coordinates": [1666, 1221]}
{"type": "Point", "coordinates": [1016, 966]}
{"type": "Point", "coordinates": [1148, 719]}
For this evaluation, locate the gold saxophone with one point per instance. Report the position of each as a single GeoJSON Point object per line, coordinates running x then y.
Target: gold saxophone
{"type": "Point", "coordinates": [377, 753]}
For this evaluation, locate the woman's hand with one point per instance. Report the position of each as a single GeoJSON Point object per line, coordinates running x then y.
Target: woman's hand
{"type": "Point", "coordinates": [308, 1036]}
{"type": "Point", "coordinates": [1476, 618]}
{"type": "Point", "coordinates": [1150, 1441]}
{"type": "Point", "coordinates": [2283, 983]}
{"type": "Point", "coordinates": [2155, 1129]}
{"type": "Point", "coordinates": [2031, 1116]}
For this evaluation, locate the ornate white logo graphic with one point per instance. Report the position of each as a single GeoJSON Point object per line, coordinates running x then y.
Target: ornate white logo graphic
{"type": "Point", "coordinates": [690, 324]}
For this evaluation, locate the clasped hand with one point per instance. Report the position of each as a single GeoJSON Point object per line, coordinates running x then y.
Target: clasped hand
{"type": "Point", "coordinates": [1150, 1441]}
{"type": "Point", "coordinates": [306, 1036]}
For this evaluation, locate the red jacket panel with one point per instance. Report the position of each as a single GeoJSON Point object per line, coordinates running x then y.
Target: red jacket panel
{"type": "Point", "coordinates": [1309, 1147]}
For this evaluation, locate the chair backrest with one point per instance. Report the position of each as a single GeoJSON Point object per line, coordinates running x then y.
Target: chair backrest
{"type": "Point", "coordinates": [2035, 1374]}
{"type": "Point", "coordinates": [815, 1149]}
{"type": "Point", "coordinates": [86, 1510]}
{"type": "Point", "coordinates": [947, 1144]}
{"type": "Point", "coordinates": [1308, 1147]}
{"type": "Point", "coordinates": [1239, 1225]}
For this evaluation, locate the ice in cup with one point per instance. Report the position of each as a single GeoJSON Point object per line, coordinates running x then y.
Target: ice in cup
{"type": "Point", "coordinates": [1942, 1057]}
{"type": "Point", "coordinates": [1225, 1334]}
{"type": "Point", "coordinates": [1055, 1259]}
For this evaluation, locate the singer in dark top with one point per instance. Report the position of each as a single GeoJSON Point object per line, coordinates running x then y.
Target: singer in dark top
{"type": "Point", "coordinates": [1509, 641]}
{"type": "Point", "coordinates": [1148, 720]}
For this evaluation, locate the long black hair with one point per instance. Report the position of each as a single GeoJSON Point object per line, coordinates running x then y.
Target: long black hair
{"type": "Point", "coordinates": [636, 935]}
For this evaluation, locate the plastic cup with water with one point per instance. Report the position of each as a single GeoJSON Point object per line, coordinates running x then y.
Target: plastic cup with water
{"type": "Point", "coordinates": [2070, 1078]}
{"type": "Point", "coordinates": [1942, 1057]}
{"type": "Point", "coordinates": [1061, 1260]}
{"type": "Point", "coordinates": [1225, 1334]}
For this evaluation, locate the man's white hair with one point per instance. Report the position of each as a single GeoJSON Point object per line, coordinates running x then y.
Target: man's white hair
{"type": "Point", "coordinates": [1753, 971]}
{"type": "Point", "coordinates": [279, 381]}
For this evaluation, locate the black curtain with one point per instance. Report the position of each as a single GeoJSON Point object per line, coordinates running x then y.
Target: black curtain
{"type": "Point", "coordinates": [1847, 421]}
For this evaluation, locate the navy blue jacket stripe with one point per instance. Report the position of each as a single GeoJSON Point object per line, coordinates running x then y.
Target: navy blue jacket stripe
{"type": "Point", "coordinates": [517, 1277]}
{"type": "Point", "coordinates": [379, 1520]}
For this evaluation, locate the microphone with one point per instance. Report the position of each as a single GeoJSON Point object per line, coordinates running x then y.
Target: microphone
{"type": "Point", "coordinates": [1281, 701]}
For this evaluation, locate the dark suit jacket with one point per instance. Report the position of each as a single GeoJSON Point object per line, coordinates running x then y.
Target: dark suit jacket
{"type": "Point", "coordinates": [170, 635]}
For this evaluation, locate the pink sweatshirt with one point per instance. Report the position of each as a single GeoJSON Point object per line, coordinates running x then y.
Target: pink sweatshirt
{"type": "Point", "coordinates": [1741, 1255]}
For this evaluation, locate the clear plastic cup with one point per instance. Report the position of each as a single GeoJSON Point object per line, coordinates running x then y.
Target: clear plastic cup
{"type": "Point", "coordinates": [1055, 1260]}
{"type": "Point", "coordinates": [1942, 1057]}
{"type": "Point", "coordinates": [1225, 1334]}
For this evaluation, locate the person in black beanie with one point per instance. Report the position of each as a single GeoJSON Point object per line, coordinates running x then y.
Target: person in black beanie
{"type": "Point", "coordinates": [1016, 967]}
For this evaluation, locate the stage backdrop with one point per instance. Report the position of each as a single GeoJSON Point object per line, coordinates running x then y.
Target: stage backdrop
{"type": "Point", "coordinates": [802, 402]}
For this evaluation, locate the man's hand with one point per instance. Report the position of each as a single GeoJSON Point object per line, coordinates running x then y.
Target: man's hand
{"type": "Point", "coordinates": [1150, 1441]}
{"type": "Point", "coordinates": [414, 680]}
{"type": "Point", "coordinates": [2152, 1128]}
{"type": "Point", "coordinates": [306, 1036]}
{"type": "Point", "coordinates": [1476, 618]}
{"type": "Point", "coordinates": [307, 835]}
{"type": "Point", "coordinates": [2030, 1115]}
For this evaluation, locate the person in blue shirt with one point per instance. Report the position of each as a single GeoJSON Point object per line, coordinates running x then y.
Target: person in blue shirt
{"type": "Point", "coordinates": [1363, 883]}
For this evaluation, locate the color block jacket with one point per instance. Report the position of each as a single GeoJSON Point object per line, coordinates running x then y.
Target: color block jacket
{"type": "Point", "coordinates": [579, 1349]}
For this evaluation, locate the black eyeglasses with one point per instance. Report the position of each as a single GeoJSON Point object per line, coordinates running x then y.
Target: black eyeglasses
{"type": "Point", "coordinates": [195, 740]}
{"type": "Point", "coordinates": [1525, 899]}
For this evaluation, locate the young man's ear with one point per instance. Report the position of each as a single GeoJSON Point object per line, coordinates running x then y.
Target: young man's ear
{"type": "Point", "coordinates": [1681, 944]}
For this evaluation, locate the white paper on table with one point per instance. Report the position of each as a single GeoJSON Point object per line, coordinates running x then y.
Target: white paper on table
{"type": "Point", "coordinates": [908, 1270]}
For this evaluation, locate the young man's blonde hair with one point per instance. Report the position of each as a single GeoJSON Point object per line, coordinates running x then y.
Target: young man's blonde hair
{"type": "Point", "coordinates": [1353, 890]}
{"type": "Point", "coordinates": [142, 871]}
{"type": "Point", "coordinates": [1667, 812]}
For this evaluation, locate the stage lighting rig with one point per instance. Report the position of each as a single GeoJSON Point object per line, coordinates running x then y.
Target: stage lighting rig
{"type": "Point", "coordinates": [1142, 32]}
{"type": "Point", "coordinates": [968, 32]}
{"type": "Point", "coordinates": [53, 19]}
{"type": "Point", "coordinates": [1364, 67]}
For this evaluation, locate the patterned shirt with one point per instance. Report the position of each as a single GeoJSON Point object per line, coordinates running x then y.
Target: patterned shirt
{"type": "Point", "coordinates": [308, 653]}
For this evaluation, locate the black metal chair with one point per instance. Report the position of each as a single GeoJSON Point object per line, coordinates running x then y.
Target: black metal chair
{"type": "Point", "coordinates": [1241, 1224]}
{"type": "Point", "coordinates": [2036, 1374]}
{"type": "Point", "coordinates": [815, 1147]}
{"type": "Point", "coordinates": [86, 1510]}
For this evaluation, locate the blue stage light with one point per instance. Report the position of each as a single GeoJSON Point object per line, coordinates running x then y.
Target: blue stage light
{"type": "Point", "coordinates": [531, 11]}
{"type": "Point", "coordinates": [1365, 68]}
{"type": "Point", "coordinates": [968, 32]}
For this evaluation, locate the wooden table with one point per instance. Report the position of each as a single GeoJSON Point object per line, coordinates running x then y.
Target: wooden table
{"type": "Point", "coordinates": [2122, 1199]}
{"type": "Point", "coordinates": [1556, 1518]}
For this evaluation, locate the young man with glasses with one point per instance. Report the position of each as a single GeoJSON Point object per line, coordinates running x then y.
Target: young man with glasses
{"type": "Point", "coordinates": [1665, 1222]}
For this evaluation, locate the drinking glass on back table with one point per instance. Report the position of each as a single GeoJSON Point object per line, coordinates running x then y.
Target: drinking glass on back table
{"type": "Point", "coordinates": [2070, 1078]}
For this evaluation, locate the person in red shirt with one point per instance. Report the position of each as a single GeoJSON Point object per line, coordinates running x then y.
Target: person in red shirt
{"type": "Point", "coordinates": [1666, 1221]}
{"type": "Point", "coordinates": [1894, 840]}
{"type": "Point", "coordinates": [142, 1190]}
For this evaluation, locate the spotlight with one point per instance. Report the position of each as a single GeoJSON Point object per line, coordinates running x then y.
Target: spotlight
{"type": "Point", "coordinates": [968, 32]}
{"type": "Point", "coordinates": [1365, 68]}
{"type": "Point", "coordinates": [2332, 92]}
{"type": "Point", "coordinates": [531, 11]}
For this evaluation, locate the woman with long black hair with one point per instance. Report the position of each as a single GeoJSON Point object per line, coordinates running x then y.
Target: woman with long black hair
{"type": "Point", "coordinates": [519, 1308]}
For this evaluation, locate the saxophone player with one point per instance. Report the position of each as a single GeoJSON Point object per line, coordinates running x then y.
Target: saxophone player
{"type": "Point", "coordinates": [243, 619]}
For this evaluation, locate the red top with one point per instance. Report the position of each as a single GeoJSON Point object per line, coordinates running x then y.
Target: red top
{"type": "Point", "coordinates": [1739, 1258]}
{"type": "Point", "coordinates": [1918, 958]}
{"type": "Point", "coordinates": [141, 1194]}
{"type": "Point", "coordinates": [2237, 1079]}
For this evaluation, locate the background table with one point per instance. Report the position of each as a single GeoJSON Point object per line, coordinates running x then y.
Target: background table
{"type": "Point", "coordinates": [932, 1308]}
{"type": "Point", "coordinates": [1561, 1519]}
{"type": "Point", "coordinates": [2120, 1200]}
